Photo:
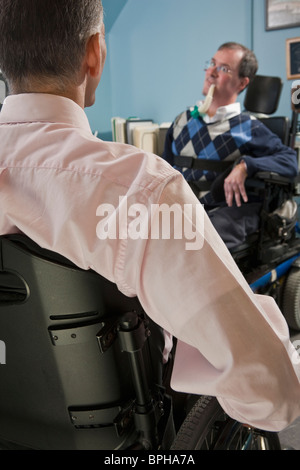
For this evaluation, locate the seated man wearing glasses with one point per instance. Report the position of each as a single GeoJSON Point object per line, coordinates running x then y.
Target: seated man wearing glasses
{"type": "Point", "coordinates": [221, 132]}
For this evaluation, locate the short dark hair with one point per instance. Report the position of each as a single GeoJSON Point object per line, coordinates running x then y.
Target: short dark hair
{"type": "Point", "coordinates": [44, 39]}
{"type": "Point", "coordinates": [248, 65]}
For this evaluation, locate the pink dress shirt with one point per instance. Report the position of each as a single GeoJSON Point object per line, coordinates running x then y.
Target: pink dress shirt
{"type": "Point", "coordinates": [59, 184]}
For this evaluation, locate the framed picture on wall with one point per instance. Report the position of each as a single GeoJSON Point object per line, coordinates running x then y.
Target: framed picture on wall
{"type": "Point", "coordinates": [281, 14]}
{"type": "Point", "coordinates": [293, 58]}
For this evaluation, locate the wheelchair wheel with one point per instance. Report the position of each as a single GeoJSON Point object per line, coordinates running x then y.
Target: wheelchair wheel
{"type": "Point", "coordinates": [291, 299]}
{"type": "Point", "coordinates": [207, 427]}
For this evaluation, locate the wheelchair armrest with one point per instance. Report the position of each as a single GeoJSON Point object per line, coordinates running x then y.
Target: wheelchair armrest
{"type": "Point", "coordinates": [257, 182]}
{"type": "Point", "coordinates": [261, 178]}
{"type": "Point", "coordinates": [273, 177]}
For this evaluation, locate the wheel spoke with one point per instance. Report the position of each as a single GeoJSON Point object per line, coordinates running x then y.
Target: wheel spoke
{"type": "Point", "coordinates": [207, 427]}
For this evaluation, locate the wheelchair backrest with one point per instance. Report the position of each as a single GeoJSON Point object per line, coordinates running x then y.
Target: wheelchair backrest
{"type": "Point", "coordinates": [262, 98]}
{"type": "Point", "coordinates": [279, 125]}
{"type": "Point", "coordinates": [263, 94]}
{"type": "Point", "coordinates": [66, 383]}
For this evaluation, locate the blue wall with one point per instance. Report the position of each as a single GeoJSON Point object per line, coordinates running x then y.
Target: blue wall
{"type": "Point", "coordinates": [269, 47]}
{"type": "Point", "coordinates": [157, 50]}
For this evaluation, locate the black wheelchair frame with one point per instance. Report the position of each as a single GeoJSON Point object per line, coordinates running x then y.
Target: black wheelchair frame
{"type": "Point", "coordinates": [270, 258]}
{"type": "Point", "coordinates": [84, 367]}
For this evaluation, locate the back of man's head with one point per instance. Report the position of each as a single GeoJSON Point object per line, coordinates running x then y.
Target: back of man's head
{"type": "Point", "coordinates": [44, 40]}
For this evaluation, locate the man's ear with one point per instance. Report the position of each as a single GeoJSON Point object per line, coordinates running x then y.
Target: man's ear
{"type": "Point", "coordinates": [244, 83]}
{"type": "Point", "coordinates": [93, 55]}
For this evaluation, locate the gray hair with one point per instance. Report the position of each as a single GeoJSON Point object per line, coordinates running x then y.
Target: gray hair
{"type": "Point", "coordinates": [45, 40]}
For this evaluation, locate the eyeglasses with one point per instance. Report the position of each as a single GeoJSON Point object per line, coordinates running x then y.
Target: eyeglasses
{"type": "Point", "coordinates": [210, 64]}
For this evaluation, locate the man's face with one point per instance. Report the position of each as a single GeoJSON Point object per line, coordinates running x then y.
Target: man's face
{"type": "Point", "coordinates": [227, 82]}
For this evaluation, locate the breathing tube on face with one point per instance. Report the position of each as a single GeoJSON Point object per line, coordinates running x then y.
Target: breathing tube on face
{"type": "Point", "coordinates": [202, 109]}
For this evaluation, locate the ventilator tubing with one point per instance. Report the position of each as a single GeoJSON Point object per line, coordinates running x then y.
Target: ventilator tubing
{"type": "Point", "coordinates": [208, 100]}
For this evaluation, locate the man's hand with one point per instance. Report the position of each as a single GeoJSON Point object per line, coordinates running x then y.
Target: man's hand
{"type": "Point", "coordinates": [234, 185]}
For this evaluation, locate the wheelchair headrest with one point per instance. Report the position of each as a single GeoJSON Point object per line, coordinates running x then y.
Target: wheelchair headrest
{"type": "Point", "coordinates": [263, 94]}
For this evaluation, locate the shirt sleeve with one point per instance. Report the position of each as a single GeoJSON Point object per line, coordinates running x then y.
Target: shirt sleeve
{"type": "Point", "coordinates": [265, 152]}
{"type": "Point", "coordinates": [232, 343]}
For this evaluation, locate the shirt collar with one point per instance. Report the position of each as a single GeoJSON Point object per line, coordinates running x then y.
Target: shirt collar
{"type": "Point", "coordinates": [224, 112]}
{"type": "Point", "coordinates": [40, 107]}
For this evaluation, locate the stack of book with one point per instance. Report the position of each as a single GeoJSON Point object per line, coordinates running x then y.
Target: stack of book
{"type": "Point", "coordinates": [142, 133]}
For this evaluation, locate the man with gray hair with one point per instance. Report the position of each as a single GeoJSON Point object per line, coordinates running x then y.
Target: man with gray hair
{"type": "Point", "coordinates": [55, 179]}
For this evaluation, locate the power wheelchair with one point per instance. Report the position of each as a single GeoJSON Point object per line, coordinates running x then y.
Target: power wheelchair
{"type": "Point", "coordinates": [270, 258]}
{"type": "Point", "coordinates": [83, 368]}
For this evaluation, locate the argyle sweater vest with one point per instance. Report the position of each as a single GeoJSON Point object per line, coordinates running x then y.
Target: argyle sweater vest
{"type": "Point", "coordinates": [223, 140]}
